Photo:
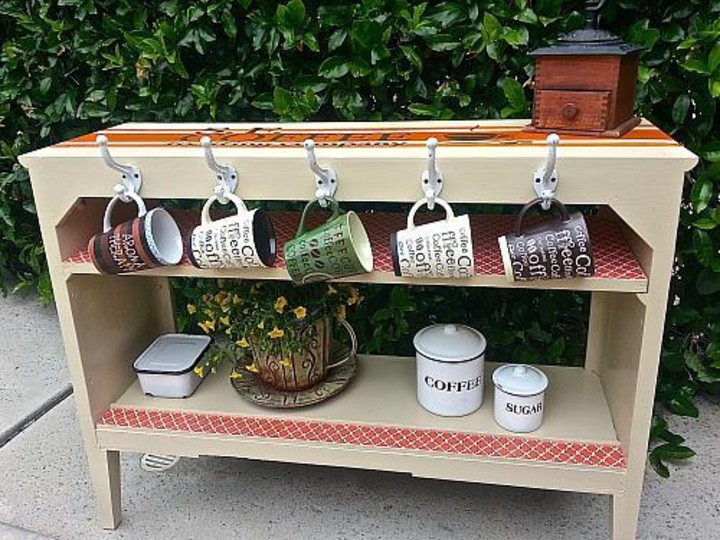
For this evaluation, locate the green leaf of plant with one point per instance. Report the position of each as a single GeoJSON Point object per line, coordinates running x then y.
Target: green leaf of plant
{"type": "Point", "coordinates": [714, 58]}
{"type": "Point", "coordinates": [514, 94]}
{"type": "Point", "coordinates": [705, 223]}
{"type": "Point", "coordinates": [704, 247]}
{"type": "Point", "coordinates": [337, 38]}
{"type": "Point", "coordinates": [282, 101]}
{"type": "Point", "coordinates": [412, 55]}
{"type": "Point", "coordinates": [492, 29]}
{"type": "Point", "coordinates": [334, 67]}
{"type": "Point", "coordinates": [517, 37]}
{"type": "Point", "coordinates": [707, 282]}
{"type": "Point", "coordinates": [658, 466]}
{"type": "Point", "coordinates": [421, 109]}
{"type": "Point", "coordinates": [683, 405]}
{"type": "Point", "coordinates": [673, 452]}
{"type": "Point", "coordinates": [701, 193]}
{"type": "Point", "coordinates": [681, 108]}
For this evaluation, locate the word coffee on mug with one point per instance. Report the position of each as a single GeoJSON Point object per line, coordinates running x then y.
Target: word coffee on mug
{"type": "Point", "coordinates": [245, 240]}
{"type": "Point", "coordinates": [557, 248]}
{"type": "Point", "coordinates": [441, 249]}
{"type": "Point", "coordinates": [339, 247]}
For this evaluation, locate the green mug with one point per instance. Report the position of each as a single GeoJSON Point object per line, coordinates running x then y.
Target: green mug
{"type": "Point", "coordinates": [339, 247]}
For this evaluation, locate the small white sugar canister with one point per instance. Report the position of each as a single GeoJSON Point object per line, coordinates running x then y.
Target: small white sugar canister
{"type": "Point", "coordinates": [519, 397]}
{"type": "Point", "coordinates": [450, 361]}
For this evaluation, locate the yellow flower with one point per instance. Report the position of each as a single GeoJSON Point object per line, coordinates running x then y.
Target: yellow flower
{"type": "Point", "coordinates": [354, 297]}
{"type": "Point", "coordinates": [300, 312]}
{"type": "Point", "coordinates": [225, 308]}
{"type": "Point", "coordinates": [331, 290]}
{"type": "Point", "coordinates": [242, 343]}
{"type": "Point", "coordinates": [228, 331]}
{"type": "Point", "coordinates": [225, 320]}
{"type": "Point", "coordinates": [261, 326]}
{"type": "Point", "coordinates": [199, 371]}
{"type": "Point", "coordinates": [341, 312]}
{"type": "Point", "coordinates": [191, 308]}
{"type": "Point", "coordinates": [280, 304]}
{"type": "Point", "coordinates": [235, 375]}
{"type": "Point", "coordinates": [286, 362]}
{"type": "Point", "coordinates": [253, 368]}
{"type": "Point", "coordinates": [276, 333]}
{"type": "Point", "coordinates": [236, 299]}
{"type": "Point", "coordinates": [219, 297]}
{"type": "Point", "coordinates": [208, 326]}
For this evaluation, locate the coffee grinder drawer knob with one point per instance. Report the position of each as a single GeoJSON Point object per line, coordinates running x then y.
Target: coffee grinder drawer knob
{"type": "Point", "coordinates": [569, 111]}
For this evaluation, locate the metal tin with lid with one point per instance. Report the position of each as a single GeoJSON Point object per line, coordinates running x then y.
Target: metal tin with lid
{"type": "Point", "coordinates": [519, 397]}
{"type": "Point", "coordinates": [166, 367]}
{"type": "Point", "coordinates": [450, 361]}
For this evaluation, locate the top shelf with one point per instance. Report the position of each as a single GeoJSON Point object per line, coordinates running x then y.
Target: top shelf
{"type": "Point", "coordinates": [617, 269]}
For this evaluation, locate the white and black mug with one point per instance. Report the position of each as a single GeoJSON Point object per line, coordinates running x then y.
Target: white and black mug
{"type": "Point", "coordinates": [557, 248]}
{"type": "Point", "coordinates": [441, 249]}
{"type": "Point", "coordinates": [245, 240]}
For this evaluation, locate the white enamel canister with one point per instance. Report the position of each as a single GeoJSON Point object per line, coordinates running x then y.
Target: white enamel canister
{"type": "Point", "coordinates": [450, 361]}
{"type": "Point", "coordinates": [519, 397]}
{"type": "Point", "coordinates": [166, 368]}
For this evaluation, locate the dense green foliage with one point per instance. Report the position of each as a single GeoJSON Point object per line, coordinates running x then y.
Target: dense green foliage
{"type": "Point", "coordinates": [72, 66]}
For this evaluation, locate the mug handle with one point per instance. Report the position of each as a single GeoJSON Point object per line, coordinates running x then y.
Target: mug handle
{"type": "Point", "coordinates": [442, 202]}
{"type": "Point", "coordinates": [107, 223]}
{"type": "Point", "coordinates": [237, 201]}
{"type": "Point", "coordinates": [335, 213]}
{"type": "Point", "coordinates": [353, 345]}
{"type": "Point", "coordinates": [519, 225]}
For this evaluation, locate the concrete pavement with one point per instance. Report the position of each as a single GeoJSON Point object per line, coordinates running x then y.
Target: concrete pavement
{"type": "Point", "coordinates": [45, 489]}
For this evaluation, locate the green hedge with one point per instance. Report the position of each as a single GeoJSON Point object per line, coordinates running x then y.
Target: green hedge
{"type": "Point", "coordinates": [73, 66]}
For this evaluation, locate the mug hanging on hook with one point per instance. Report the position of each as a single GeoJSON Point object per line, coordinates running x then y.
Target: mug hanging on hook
{"type": "Point", "coordinates": [227, 176]}
{"type": "Point", "coordinates": [325, 178]}
{"type": "Point", "coordinates": [130, 176]}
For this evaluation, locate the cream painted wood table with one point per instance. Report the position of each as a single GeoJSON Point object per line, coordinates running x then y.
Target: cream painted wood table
{"type": "Point", "coordinates": [594, 438]}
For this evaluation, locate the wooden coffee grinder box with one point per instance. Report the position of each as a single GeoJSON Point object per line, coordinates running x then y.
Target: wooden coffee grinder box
{"type": "Point", "coordinates": [585, 84]}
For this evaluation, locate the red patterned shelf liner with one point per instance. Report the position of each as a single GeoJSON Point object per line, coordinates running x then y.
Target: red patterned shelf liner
{"type": "Point", "coordinates": [613, 258]}
{"type": "Point", "coordinates": [426, 440]}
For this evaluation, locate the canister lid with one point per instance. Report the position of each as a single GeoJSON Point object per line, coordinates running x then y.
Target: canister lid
{"type": "Point", "coordinates": [449, 342]}
{"type": "Point", "coordinates": [520, 380]}
{"type": "Point", "coordinates": [172, 354]}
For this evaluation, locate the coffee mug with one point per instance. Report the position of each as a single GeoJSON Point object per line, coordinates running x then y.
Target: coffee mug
{"type": "Point", "coordinates": [555, 249]}
{"type": "Point", "coordinates": [245, 240]}
{"type": "Point", "coordinates": [441, 249]}
{"type": "Point", "coordinates": [339, 247]}
{"type": "Point", "coordinates": [150, 240]}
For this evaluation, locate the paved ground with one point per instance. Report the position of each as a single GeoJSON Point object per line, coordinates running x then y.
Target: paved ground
{"type": "Point", "coordinates": [45, 489]}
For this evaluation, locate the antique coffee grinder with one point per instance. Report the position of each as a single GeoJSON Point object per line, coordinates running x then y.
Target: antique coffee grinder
{"type": "Point", "coordinates": [585, 84]}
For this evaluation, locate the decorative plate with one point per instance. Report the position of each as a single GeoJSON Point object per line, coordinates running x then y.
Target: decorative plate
{"type": "Point", "coordinates": [253, 389]}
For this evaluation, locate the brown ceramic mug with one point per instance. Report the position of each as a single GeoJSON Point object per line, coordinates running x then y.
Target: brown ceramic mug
{"type": "Point", "coordinates": [558, 248]}
{"type": "Point", "coordinates": [150, 240]}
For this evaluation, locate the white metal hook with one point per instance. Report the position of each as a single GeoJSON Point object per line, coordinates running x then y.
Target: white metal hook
{"type": "Point", "coordinates": [325, 178]}
{"type": "Point", "coordinates": [130, 176]}
{"type": "Point", "coordinates": [227, 176]}
{"type": "Point", "coordinates": [545, 179]}
{"type": "Point", "coordinates": [432, 178]}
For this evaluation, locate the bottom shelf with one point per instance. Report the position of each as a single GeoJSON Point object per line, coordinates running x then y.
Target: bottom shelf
{"type": "Point", "coordinates": [377, 423]}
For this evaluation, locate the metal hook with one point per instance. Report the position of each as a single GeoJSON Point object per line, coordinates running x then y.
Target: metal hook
{"type": "Point", "coordinates": [325, 178]}
{"type": "Point", "coordinates": [227, 176]}
{"type": "Point", "coordinates": [432, 178]}
{"type": "Point", "coordinates": [545, 179]}
{"type": "Point", "coordinates": [130, 176]}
